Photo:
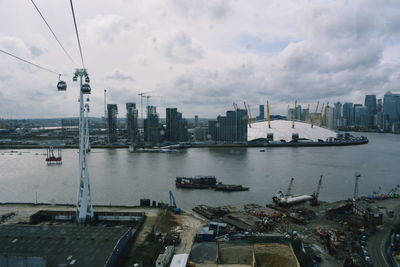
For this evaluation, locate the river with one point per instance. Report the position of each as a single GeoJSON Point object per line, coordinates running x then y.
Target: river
{"type": "Point", "coordinates": [120, 177]}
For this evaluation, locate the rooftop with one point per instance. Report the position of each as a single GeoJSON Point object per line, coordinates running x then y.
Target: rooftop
{"type": "Point", "coordinates": [61, 245]}
{"type": "Point", "coordinates": [282, 129]}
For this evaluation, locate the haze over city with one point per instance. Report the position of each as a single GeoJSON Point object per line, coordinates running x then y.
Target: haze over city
{"type": "Point", "coordinates": [199, 56]}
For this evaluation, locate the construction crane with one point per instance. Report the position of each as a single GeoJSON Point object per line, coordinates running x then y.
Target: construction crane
{"type": "Point", "coordinates": [247, 107]}
{"type": "Point", "coordinates": [268, 116]}
{"type": "Point", "coordinates": [315, 195]}
{"type": "Point", "coordinates": [294, 113]}
{"type": "Point", "coordinates": [172, 203]}
{"type": "Point", "coordinates": [315, 115]}
{"type": "Point", "coordinates": [357, 176]}
{"type": "Point", "coordinates": [148, 98]}
{"type": "Point", "coordinates": [289, 189]}
{"type": "Point", "coordinates": [321, 119]}
{"type": "Point", "coordinates": [235, 106]}
{"type": "Point", "coordinates": [142, 94]}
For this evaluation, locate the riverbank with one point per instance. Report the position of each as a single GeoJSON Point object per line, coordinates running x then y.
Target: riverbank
{"type": "Point", "coordinates": [198, 145]}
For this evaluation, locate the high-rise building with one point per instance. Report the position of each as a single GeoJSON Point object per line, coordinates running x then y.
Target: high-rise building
{"type": "Point", "coordinates": [299, 111]}
{"type": "Point", "coordinates": [230, 128]}
{"type": "Point", "coordinates": [361, 117]}
{"type": "Point", "coordinates": [391, 107]}
{"type": "Point", "coordinates": [338, 121]}
{"type": "Point", "coordinates": [348, 114]}
{"type": "Point", "coordinates": [330, 120]}
{"type": "Point", "coordinates": [370, 104]}
{"type": "Point", "coordinates": [176, 129]}
{"type": "Point", "coordinates": [132, 125]}
{"type": "Point", "coordinates": [212, 130]}
{"type": "Point", "coordinates": [261, 115]}
{"type": "Point", "coordinates": [196, 121]}
{"type": "Point", "coordinates": [152, 129]}
{"type": "Point", "coordinates": [112, 111]}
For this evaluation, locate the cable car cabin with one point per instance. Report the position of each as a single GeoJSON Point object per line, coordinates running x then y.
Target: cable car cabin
{"type": "Point", "coordinates": [86, 88]}
{"type": "Point", "coordinates": [62, 86]}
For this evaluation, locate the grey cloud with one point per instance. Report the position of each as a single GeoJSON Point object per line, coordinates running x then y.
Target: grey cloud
{"type": "Point", "coordinates": [182, 49]}
{"type": "Point", "coordinates": [107, 28]}
{"type": "Point", "coordinates": [4, 77]}
{"type": "Point", "coordinates": [119, 75]}
{"type": "Point", "coordinates": [36, 51]}
{"type": "Point", "coordinates": [214, 9]}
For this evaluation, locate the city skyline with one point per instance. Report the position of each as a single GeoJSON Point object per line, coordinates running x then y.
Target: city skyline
{"type": "Point", "coordinates": [201, 54]}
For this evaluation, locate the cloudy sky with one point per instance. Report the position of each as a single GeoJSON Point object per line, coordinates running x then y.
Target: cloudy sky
{"type": "Point", "coordinates": [199, 55]}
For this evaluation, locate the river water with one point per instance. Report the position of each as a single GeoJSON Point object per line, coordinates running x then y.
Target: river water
{"type": "Point", "coordinates": [120, 177]}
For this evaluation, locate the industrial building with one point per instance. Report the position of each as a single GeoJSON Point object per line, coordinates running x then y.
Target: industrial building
{"type": "Point", "coordinates": [282, 130]}
{"type": "Point", "coordinates": [112, 111]}
{"type": "Point", "coordinates": [68, 245]}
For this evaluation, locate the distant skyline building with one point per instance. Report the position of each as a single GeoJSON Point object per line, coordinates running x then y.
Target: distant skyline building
{"type": "Point", "coordinates": [370, 104]}
{"type": "Point", "coordinates": [391, 107]}
{"type": "Point", "coordinates": [112, 111]}
{"type": "Point", "coordinates": [361, 117]}
{"type": "Point", "coordinates": [337, 115]}
{"type": "Point", "coordinates": [347, 110]}
{"type": "Point", "coordinates": [132, 126]}
{"type": "Point", "coordinates": [261, 112]}
{"type": "Point", "coordinates": [152, 127]}
{"type": "Point", "coordinates": [176, 128]}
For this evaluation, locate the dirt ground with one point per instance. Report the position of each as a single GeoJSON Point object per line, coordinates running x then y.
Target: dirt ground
{"type": "Point", "coordinates": [188, 224]}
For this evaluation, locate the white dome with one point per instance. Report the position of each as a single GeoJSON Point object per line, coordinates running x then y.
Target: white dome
{"type": "Point", "coordinates": [282, 129]}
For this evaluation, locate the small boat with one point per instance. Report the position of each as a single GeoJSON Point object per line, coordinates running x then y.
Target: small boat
{"type": "Point", "coordinates": [262, 150]}
{"type": "Point", "coordinates": [230, 187]}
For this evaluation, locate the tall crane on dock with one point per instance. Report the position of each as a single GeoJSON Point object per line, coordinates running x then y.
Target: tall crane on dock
{"type": "Point", "coordinates": [268, 116]}
{"type": "Point", "coordinates": [315, 195]}
{"type": "Point", "coordinates": [289, 189]}
{"type": "Point", "coordinates": [315, 115]}
{"type": "Point", "coordinates": [357, 176]}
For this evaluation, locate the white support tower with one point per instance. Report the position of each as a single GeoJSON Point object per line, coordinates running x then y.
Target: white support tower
{"type": "Point", "coordinates": [84, 203]}
{"type": "Point", "coordinates": [87, 140]}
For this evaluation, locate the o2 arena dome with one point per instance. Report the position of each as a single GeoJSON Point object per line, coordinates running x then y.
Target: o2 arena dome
{"type": "Point", "coordinates": [282, 130]}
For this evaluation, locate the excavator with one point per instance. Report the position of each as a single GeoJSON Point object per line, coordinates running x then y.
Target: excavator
{"type": "Point", "coordinates": [172, 203]}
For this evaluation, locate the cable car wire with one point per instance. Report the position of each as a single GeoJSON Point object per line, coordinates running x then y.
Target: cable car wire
{"type": "Point", "coordinates": [26, 61]}
{"type": "Point", "coordinates": [77, 34]}
{"type": "Point", "coordinates": [51, 30]}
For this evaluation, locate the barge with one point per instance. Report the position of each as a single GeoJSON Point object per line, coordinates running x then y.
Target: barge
{"type": "Point", "coordinates": [230, 187]}
{"type": "Point", "coordinates": [196, 182]}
